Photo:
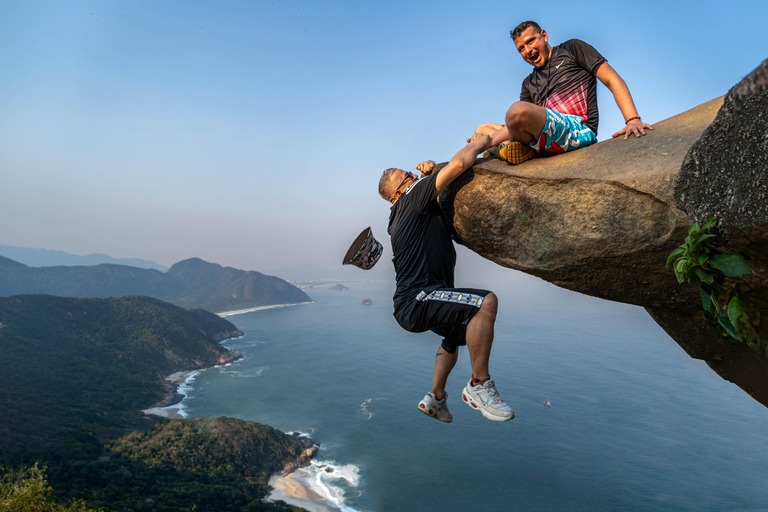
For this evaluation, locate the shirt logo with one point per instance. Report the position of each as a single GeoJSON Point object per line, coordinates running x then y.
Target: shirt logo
{"type": "Point", "coordinates": [558, 66]}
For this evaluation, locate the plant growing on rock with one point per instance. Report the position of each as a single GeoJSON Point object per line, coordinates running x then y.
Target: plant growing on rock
{"type": "Point", "coordinates": [696, 261]}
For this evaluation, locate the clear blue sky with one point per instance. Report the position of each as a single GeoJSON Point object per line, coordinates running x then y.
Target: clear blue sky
{"type": "Point", "coordinates": [252, 133]}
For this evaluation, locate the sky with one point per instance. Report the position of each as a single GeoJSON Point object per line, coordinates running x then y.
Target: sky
{"type": "Point", "coordinates": [252, 133]}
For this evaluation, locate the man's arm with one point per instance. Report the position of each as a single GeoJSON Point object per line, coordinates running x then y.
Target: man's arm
{"type": "Point", "coordinates": [461, 161]}
{"type": "Point", "coordinates": [611, 79]}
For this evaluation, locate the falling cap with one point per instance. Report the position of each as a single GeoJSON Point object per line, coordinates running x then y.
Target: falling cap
{"type": "Point", "coordinates": [364, 252]}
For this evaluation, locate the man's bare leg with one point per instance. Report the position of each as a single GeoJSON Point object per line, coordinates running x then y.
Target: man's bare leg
{"type": "Point", "coordinates": [480, 337]}
{"type": "Point", "coordinates": [487, 129]}
{"type": "Point", "coordinates": [444, 363]}
{"type": "Point", "coordinates": [525, 121]}
{"type": "Point", "coordinates": [483, 396]}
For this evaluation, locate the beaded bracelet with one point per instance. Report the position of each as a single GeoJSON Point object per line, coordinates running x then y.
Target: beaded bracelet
{"type": "Point", "coordinates": [632, 119]}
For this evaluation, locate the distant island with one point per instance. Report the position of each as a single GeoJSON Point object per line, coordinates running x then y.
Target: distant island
{"type": "Point", "coordinates": [366, 302]}
{"type": "Point", "coordinates": [74, 375]}
{"type": "Point", "coordinates": [189, 283]}
{"type": "Point", "coordinates": [338, 287]}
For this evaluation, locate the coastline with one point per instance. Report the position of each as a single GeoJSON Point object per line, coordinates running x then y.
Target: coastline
{"type": "Point", "coordinates": [258, 308]}
{"type": "Point", "coordinates": [292, 490]}
{"type": "Point", "coordinates": [297, 487]}
{"type": "Point", "coordinates": [172, 397]}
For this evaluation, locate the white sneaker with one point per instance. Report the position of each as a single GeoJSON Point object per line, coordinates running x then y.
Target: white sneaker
{"type": "Point", "coordinates": [486, 399]}
{"type": "Point", "coordinates": [435, 408]}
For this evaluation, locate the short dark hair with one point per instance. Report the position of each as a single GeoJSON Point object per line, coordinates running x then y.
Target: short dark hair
{"type": "Point", "coordinates": [384, 185]}
{"type": "Point", "coordinates": [515, 33]}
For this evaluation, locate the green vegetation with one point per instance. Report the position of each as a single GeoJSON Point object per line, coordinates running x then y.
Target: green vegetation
{"type": "Point", "coordinates": [27, 490]}
{"type": "Point", "coordinates": [74, 374]}
{"type": "Point", "coordinates": [698, 262]}
{"type": "Point", "coordinates": [189, 283]}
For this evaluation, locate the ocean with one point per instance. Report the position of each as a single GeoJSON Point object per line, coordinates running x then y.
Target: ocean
{"type": "Point", "coordinates": [611, 414]}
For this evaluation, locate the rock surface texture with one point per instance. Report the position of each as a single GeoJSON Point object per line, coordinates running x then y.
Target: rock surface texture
{"type": "Point", "coordinates": [602, 220]}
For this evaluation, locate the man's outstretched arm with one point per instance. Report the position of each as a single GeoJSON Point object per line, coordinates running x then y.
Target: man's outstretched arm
{"type": "Point", "coordinates": [611, 79]}
{"type": "Point", "coordinates": [462, 161]}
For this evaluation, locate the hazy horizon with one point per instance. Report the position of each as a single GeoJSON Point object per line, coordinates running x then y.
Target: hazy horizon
{"type": "Point", "coordinates": [252, 134]}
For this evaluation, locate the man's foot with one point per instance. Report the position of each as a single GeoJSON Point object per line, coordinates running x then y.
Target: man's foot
{"type": "Point", "coordinates": [435, 408]}
{"type": "Point", "coordinates": [486, 399]}
{"type": "Point", "coordinates": [514, 153]}
{"type": "Point", "coordinates": [493, 151]}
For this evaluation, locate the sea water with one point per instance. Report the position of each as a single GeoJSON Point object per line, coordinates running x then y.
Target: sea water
{"type": "Point", "coordinates": [611, 414]}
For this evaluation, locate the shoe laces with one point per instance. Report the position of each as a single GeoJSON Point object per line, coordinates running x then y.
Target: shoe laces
{"type": "Point", "coordinates": [490, 387]}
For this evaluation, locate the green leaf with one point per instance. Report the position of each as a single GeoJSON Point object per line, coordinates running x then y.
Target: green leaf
{"type": "Point", "coordinates": [702, 239]}
{"type": "Point", "coordinates": [731, 265]}
{"type": "Point", "coordinates": [710, 223]}
{"type": "Point", "coordinates": [716, 308]}
{"type": "Point", "coordinates": [706, 300]}
{"type": "Point", "coordinates": [704, 276]}
{"type": "Point", "coordinates": [703, 258]}
{"type": "Point", "coordinates": [694, 228]}
{"type": "Point", "coordinates": [674, 254]}
{"type": "Point", "coordinates": [734, 312]}
{"type": "Point", "coordinates": [681, 269]}
{"type": "Point", "coordinates": [725, 323]}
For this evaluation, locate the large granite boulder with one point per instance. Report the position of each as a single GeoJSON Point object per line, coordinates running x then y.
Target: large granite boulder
{"type": "Point", "coordinates": [602, 220]}
{"type": "Point", "coordinates": [726, 172]}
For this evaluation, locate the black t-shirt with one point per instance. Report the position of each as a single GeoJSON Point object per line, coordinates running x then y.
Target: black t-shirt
{"type": "Point", "coordinates": [424, 255]}
{"type": "Point", "coordinates": [567, 83]}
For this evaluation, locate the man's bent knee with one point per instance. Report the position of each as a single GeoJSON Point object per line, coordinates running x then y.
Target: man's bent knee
{"type": "Point", "coordinates": [490, 304]}
{"type": "Point", "coordinates": [522, 113]}
{"type": "Point", "coordinates": [488, 128]}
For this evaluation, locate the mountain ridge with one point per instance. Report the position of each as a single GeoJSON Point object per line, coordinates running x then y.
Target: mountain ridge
{"type": "Point", "coordinates": [188, 283]}
{"type": "Point", "coordinates": [35, 257]}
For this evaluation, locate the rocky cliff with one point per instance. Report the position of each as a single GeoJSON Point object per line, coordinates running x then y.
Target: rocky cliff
{"type": "Point", "coordinates": [602, 220]}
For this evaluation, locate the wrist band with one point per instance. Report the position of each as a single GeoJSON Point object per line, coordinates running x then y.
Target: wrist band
{"type": "Point", "coordinates": [632, 119]}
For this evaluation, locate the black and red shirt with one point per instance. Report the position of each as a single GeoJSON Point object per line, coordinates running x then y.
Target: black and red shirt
{"type": "Point", "coordinates": [567, 83]}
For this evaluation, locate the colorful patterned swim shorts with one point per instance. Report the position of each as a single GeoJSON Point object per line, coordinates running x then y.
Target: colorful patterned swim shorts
{"type": "Point", "coordinates": [561, 133]}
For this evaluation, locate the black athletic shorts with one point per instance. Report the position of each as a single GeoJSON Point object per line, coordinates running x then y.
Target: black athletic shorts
{"type": "Point", "coordinates": [444, 311]}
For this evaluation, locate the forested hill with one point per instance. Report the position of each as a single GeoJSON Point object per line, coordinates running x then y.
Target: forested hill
{"type": "Point", "coordinates": [68, 362]}
{"type": "Point", "coordinates": [188, 283]}
{"type": "Point", "coordinates": [75, 374]}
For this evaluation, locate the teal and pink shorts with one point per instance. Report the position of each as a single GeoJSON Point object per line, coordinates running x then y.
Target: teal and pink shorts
{"type": "Point", "coordinates": [561, 133]}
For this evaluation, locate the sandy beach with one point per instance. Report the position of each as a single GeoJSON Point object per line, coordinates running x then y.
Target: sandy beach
{"type": "Point", "coordinates": [171, 414]}
{"type": "Point", "coordinates": [293, 491]}
{"type": "Point", "coordinates": [241, 311]}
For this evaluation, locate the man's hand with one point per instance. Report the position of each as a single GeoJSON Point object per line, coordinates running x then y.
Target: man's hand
{"type": "Point", "coordinates": [426, 168]}
{"type": "Point", "coordinates": [635, 126]}
{"type": "Point", "coordinates": [482, 139]}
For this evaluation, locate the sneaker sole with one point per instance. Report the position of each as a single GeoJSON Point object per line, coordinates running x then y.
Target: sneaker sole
{"type": "Point", "coordinates": [512, 153]}
{"type": "Point", "coordinates": [467, 398]}
{"type": "Point", "coordinates": [429, 411]}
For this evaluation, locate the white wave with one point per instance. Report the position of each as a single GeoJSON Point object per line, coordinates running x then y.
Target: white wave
{"type": "Point", "coordinates": [328, 480]}
{"type": "Point", "coordinates": [245, 374]}
{"type": "Point", "coordinates": [184, 389]}
{"type": "Point", "coordinates": [246, 344]}
{"type": "Point", "coordinates": [308, 435]}
{"type": "Point", "coordinates": [364, 407]}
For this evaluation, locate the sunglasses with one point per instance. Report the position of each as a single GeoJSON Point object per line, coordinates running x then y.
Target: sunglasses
{"type": "Point", "coordinates": [407, 175]}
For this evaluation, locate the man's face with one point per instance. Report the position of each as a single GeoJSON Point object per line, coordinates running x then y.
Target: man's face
{"type": "Point", "coordinates": [533, 46]}
{"type": "Point", "coordinates": [400, 180]}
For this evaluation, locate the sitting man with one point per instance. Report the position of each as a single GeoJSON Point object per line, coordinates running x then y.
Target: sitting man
{"type": "Point", "coordinates": [425, 298]}
{"type": "Point", "coordinates": [557, 111]}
